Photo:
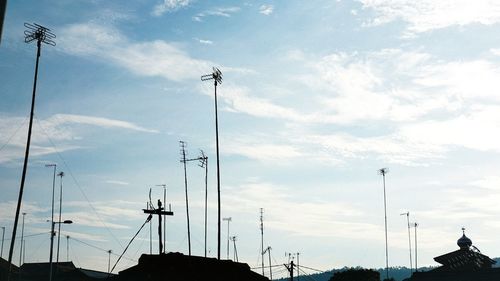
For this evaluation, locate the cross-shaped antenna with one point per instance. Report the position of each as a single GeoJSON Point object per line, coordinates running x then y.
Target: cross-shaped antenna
{"type": "Point", "coordinates": [215, 75]}
{"type": "Point", "coordinates": [40, 33]}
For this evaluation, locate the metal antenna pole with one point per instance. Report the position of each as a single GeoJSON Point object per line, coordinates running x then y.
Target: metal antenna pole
{"type": "Point", "coordinates": [52, 215]}
{"type": "Point", "coordinates": [109, 259]}
{"type": "Point", "coordinates": [262, 238]}
{"type": "Point", "coordinates": [228, 219]}
{"type": "Point", "coordinates": [3, 237]}
{"type": "Point", "coordinates": [204, 164]}
{"type": "Point", "coordinates": [22, 239]}
{"type": "Point", "coordinates": [407, 214]}
{"type": "Point", "coordinates": [183, 160]}
{"type": "Point", "coordinates": [67, 247]}
{"type": "Point", "coordinates": [216, 75]}
{"type": "Point", "coordinates": [40, 34]}
{"type": "Point", "coordinates": [270, 267]}
{"type": "Point", "coordinates": [235, 251]}
{"type": "Point", "coordinates": [61, 174]}
{"type": "Point", "coordinates": [416, 256]}
{"type": "Point", "coordinates": [298, 271]}
{"type": "Point", "coordinates": [382, 172]}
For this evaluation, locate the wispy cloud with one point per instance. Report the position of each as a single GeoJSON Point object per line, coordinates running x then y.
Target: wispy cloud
{"type": "Point", "coordinates": [203, 41]}
{"type": "Point", "coordinates": [427, 15]}
{"type": "Point", "coordinates": [218, 12]}
{"type": "Point", "coordinates": [152, 58]}
{"type": "Point", "coordinates": [266, 9]}
{"type": "Point", "coordinates": [116, 182]}
{"type": "Point", "coordinates": [65, 129]}
{"type": "Point", "coordinates": [169, 6]}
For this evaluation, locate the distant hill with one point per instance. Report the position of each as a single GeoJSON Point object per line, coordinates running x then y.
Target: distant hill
{"type": "Point", "coordinates": [398, 273]}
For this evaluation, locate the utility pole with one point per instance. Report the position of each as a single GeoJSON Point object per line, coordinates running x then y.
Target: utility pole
{"type": "Point", "coordinates": [184, 160]}
{"type": "Point", "coordinates": [290, 269]}
{"type": "Point", "coordinates": [228, 219]}
{"type": "Point", "coordinates": [204, 164]}
{"type": "Point", "coordinates": [216, 75]}
{"type": "Point", "coordinates": [160, 212]}
{"type": "Point", "coordinates": [61, 174]}
{"type": "Point", "coordinates": [41, 35]}
{"type": "Point", "coordinates": [416, 257]}
{"type": "Point", "coordinates": [164, 217]}
{"type": "Point", "coordinates": [262, 238]}
{"type": "Point", "coordinates": [382, 172]}
{"type": "Point", "coordinates": [407, 214]}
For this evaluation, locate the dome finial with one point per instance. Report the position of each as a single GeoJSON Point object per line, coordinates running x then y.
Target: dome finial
{"type": "Point", "coordinates": [464, 242]}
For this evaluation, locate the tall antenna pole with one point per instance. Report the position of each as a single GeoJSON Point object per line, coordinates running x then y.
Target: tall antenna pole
{"type": "Point", "coordinates": [407, 214]}
{"type": "Point", "coordinates": [183, 160]}
{"type": "Point", "coordinates": [40, 34]}
{"type": "Point", "coordinates": [61, 174]}
{"type": "Point", "coordinates": [416, 256]}
{"type": "Point", "coordinates": [298, 271]}
{"type": "Point", "coordinates": [228, 219]}
{"type": "Point", "coordinates": [22, 239]}
{"type": "Point", "coordinates": [52, 215]}
{"type": "Point", "coordinates": [67, 247]}
{"type": "Point", "coordinates": [109, 259]}
{"type": "Point", "coordinates": [3, 238]}
{"type": "Point", "coordinates": [216, 75]}
{"type": "Point", "coordinates": [204, 163]}
{"type": "Point", "coordinates": [235, 251]}
{"type": "Point", "coordinates": [262, 238]}
{"type": "Point", "coordinates": [382, 172]}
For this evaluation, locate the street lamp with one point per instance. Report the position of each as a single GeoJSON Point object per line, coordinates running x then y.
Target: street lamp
{"type": "Point", "coordinates": [52, 240]}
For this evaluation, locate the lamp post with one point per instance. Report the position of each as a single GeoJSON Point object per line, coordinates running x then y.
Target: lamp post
{"type": "Point", "coordinates": [382, 172]}
{"type": "Point", "coordinates": [228, 238]}
{"type": "Point", "coordinates": [52, 241]}
{"type": "Point", "coordinates": [216, 75]}
{"type": "Point", "coordinates": [39, 34]}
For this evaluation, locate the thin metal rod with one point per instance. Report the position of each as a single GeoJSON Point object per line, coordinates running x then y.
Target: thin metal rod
{"type": "Point", "coordinates": [206, 200]}
{"type": "Point", "coordinates": [25, 165]}
{"type": "Point", "coordinates": [61, 174]}
{"type": "Point", "coordinates": [409, 240]}
{"type": "Point", "coordinates": [164, 219]}
{"type": "Point", "coordinates": [22, 239]}
{"type": "Point", "coordinates": [109, 260]}
{"type": "Point", "coordinates": [383, 172]}
{"type": "Point", "coordinates": [218, 173]}
{"type": "Point", "coordinates": [3, 238]}
{"type": "Point", "coordinates": [262, 238]}
{"type": "Point", "coordinates": [187, 200]}
{"type": "Point", "coordinates": [416, 256]}
{"type": "Point", "coordinates": [270, 267]}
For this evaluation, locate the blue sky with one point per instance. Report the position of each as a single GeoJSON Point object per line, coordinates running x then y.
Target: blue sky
{"type": "Point", "coordinates": [317, 95]}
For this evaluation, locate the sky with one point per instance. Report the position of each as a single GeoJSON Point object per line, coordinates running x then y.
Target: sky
{"type": "Point", "coordinates": [316, 97]}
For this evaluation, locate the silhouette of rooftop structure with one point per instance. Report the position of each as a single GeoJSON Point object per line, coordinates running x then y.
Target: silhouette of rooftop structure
{"type": "Point", "coordinates": [177, 267]}
{"type": "Point", "coordinates": [465, 264]}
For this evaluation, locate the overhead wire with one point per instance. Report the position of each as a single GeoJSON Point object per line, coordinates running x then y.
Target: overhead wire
{"type": "Point", "coordinates": [15, 133]}
{"type": "Point", "coordinates": [76, 183]}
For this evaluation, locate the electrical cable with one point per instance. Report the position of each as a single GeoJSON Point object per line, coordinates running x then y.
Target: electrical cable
{"type": "Point", "coordinates": [147, 220]}
{"type": "Point", "coordinates": [15, 133]}
{"type": "Point", "coordinates": [76, 182]}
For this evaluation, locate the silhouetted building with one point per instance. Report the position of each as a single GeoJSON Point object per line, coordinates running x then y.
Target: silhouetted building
{"type": "Point", "coordinates": [4, 269]}
{"type": "Point", "coordinates": [177, 267]}
{"type": "Point", "coordinates": [61, 271]}
{"type": "Point", "coordinates": [356, 274]}
{"type": "Point", "coordinates": [464, 264]}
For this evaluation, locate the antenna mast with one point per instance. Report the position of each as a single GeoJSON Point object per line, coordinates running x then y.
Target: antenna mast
{"type": "Point", "coordinates": [262, 238]}
{"type": "Point", "coordinates": [216, 75]}
{"type": "Point", "coordinates": [382, 172]}
{"type": "Point", "coordinates": [184, 160]}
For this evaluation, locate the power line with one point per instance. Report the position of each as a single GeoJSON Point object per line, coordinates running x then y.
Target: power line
{"type": "Point", "coordinates": [14, 134]}
{"type": "Point", "coordinates": [77, 184]}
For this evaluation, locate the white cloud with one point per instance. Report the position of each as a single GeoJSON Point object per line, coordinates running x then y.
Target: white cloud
{"type": "Point", "coordinates": [152, 58]}
{"type": "Point", "coordinates": [205, 42]}
{"type": "Point", "coordinates": [266, 9]}
{"type": "Point", "coordinates": [261, 150]}
{"type": "Point", "coordinates": [116, 182]}
{"type": "Point", "coordinates": [427, 15]}
{"type": "Point", "coordinates": [65, 129]}
{"type": "Point", "coordinates": [218, 12]}
{"type": "Point", "coordinates": [169, 6]}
